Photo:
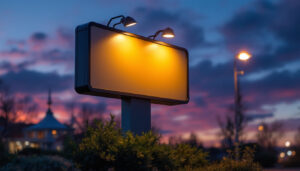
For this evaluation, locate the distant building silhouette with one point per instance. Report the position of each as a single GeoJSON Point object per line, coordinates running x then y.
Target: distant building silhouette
{"type": "Point", "coordinates": [47, 134]}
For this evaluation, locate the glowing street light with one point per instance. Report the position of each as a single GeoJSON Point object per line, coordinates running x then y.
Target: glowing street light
{"type": "Point", "coordinates": [243, 56]}
{"type": "Point", "coordinates": [260, 128]}
{"type": "Point", "coordinates": [166, 33]}
{"type": "Point", "coordinates": [126, 21]}
{"type": "Point", "coordinates": [287, 144]}
{"type": "Point", "coordinates": [282, 155]}
{"type": "Point", "coordinates": [289, 153]}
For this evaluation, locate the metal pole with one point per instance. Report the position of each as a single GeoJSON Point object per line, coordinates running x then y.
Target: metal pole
{"type": "Point", "coordinates": [236, 105]}
{"type": "Point", "coordinates": [236, 109]}
{"type": "Point", "coordinates": [136, 115]}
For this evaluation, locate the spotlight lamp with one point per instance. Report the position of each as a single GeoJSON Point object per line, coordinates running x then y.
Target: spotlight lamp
{"type": "Point", "coordinates": [166, 33]}
{"type": "Point", "coordinates": [126, 21]}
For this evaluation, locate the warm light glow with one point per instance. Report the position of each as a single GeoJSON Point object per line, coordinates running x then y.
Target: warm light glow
{"type": "Point", "coordinates": [168, 35]}
{"type": "Point", "coordinates": [282, 155]}
{"type": "Point", "coordinates": [293, 153]}
{"type": "Point", "coordinates": [26, 143]}
{"type": "Point", "coordinates": [244, 56]}
{"type": "Point", "coordinates": [41, 134]}
{"type": "Point", "coordinates": [260, 128]}
{"type": "Point", "coordinates": [127, 64]}
{"type": "Point", "coordinates": [130, 24]}
{"type": "Point", "coordinates": [287, 144]}
{"type": "Point", "coordinates": [18, 143]}
{"type": "Point", "coordinates": [54, 132]}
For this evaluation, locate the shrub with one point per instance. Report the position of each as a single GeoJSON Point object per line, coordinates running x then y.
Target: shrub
{"type": "Point", "coordinates": [70, 147]}
{"type": "Point", "coordinates": [99, 147]}
{"type": "Point", "coordinates": [105, 147]}
{"type": "Point", "coordinates": [228, 163]}
{"type": "Point", "coordinates": [38, 163]}
{"type": "Point", "coordinates": [186, 156]}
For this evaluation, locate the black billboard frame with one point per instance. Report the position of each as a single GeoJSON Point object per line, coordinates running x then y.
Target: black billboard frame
{"type": "Point", "coordinates": [82, 66]}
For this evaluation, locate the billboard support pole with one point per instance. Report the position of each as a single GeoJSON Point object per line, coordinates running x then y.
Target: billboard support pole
{"type": "Point", "coordinates": [136, 115]}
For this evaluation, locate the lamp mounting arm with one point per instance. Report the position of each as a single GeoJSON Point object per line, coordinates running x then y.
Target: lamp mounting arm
{"type": "Point", "coordinates": [119, 16]}
{"type": "Point", "coordinates": [156, 34]}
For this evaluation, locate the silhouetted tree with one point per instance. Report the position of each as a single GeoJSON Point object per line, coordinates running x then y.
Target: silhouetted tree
{"type": "Point", "coordinates": [73, 120]}
{"type": "Point", "coordinates": [7, 107]}
{"type": "Point", "coordinates": [174, 140]}
{"type": "Point", "coordinates": [26, 106]}
{"type": "Point", "coordinates": [88, 113]}
{"type": "Point", "coordinates": [194, 141]}
{"type": "Point", "coordinates": [227, 131]}
{"type": "Point", "coordinates": [270, 134]}
{"type": "Point", "coordinates": [228, 125]}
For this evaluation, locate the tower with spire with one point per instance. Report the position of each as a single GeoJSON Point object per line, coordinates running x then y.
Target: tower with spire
{"type": "Point", "coordinates": [48, 132]}
{"type": "Point", "coordinates": [49, 99]}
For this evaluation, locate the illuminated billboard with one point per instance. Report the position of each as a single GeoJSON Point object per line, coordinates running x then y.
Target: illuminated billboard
{"type": "Point", "coordinates": [114, 63]}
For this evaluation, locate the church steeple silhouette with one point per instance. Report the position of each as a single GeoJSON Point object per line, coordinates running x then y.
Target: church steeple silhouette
{"type": "Point", "coordinates": [49, 99]}
{"type": "Point", "coordinates": [49, 111]}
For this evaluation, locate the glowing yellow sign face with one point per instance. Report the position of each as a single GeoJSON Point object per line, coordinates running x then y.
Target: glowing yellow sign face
{"type": "Point", "coordinates": [127, 64]}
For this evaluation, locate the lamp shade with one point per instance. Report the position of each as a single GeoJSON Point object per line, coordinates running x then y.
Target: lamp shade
{"type": "Point", "coordinates": [128, 21]}
{"type": "Point", "coordinates": [168, 33]}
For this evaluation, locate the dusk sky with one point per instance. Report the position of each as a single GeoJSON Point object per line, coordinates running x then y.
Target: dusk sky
{"type": "Point", "coordinates": [37, 53]}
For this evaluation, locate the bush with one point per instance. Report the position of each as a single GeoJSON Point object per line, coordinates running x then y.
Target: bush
{"type": "Point", "coordinates": [70, 147]}
{"type": "Point", "coordinates": [186, 156]}
{"type": "Point", "coordinates": [105, 147]}
{"type": "Point", "coordinates": [228, 163]}
{"type": "Point", "coordinates": [99, 147]}
{"type": "Point", "coordinates": [38, 163]}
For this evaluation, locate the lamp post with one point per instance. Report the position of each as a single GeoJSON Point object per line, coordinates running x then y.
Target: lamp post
{"type": "Point", "coordinates": [243, 56]}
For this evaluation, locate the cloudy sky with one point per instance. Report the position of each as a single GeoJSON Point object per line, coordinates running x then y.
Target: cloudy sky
{"type": "Point", "coordinates": [37, 53]}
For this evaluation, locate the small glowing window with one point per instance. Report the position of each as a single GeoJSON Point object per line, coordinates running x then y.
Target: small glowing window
{"type": "Point", "coordinates": [54, 132]}
{"type": "Point", "coordinates": [41, 134]}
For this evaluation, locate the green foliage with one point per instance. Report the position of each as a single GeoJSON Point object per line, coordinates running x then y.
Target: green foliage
{"type": "Point", "coordinates": [186, 156]}
{"type": "Point", "coordinates": [228, 163]}
{"type": "Point", "coordinates": [99, 147]}
{"type": "Point", "coordinates": [38, 163]}
{"type": "Point", "coordinates": [70, 147]}
{"type": "Point", "coordinates": [104, 146]}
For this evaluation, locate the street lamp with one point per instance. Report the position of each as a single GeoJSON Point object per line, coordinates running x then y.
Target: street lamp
{"type": "Point", "coordinates": [126, 21]}
{"type": "Point", "coordinates": [260, 128]}
{"type": "Point", "coordinates": [242, 56]}
{"type": "Point", "coordinates": [166, 33]}
{"type": "Point", "coordinates": [287, 144]}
